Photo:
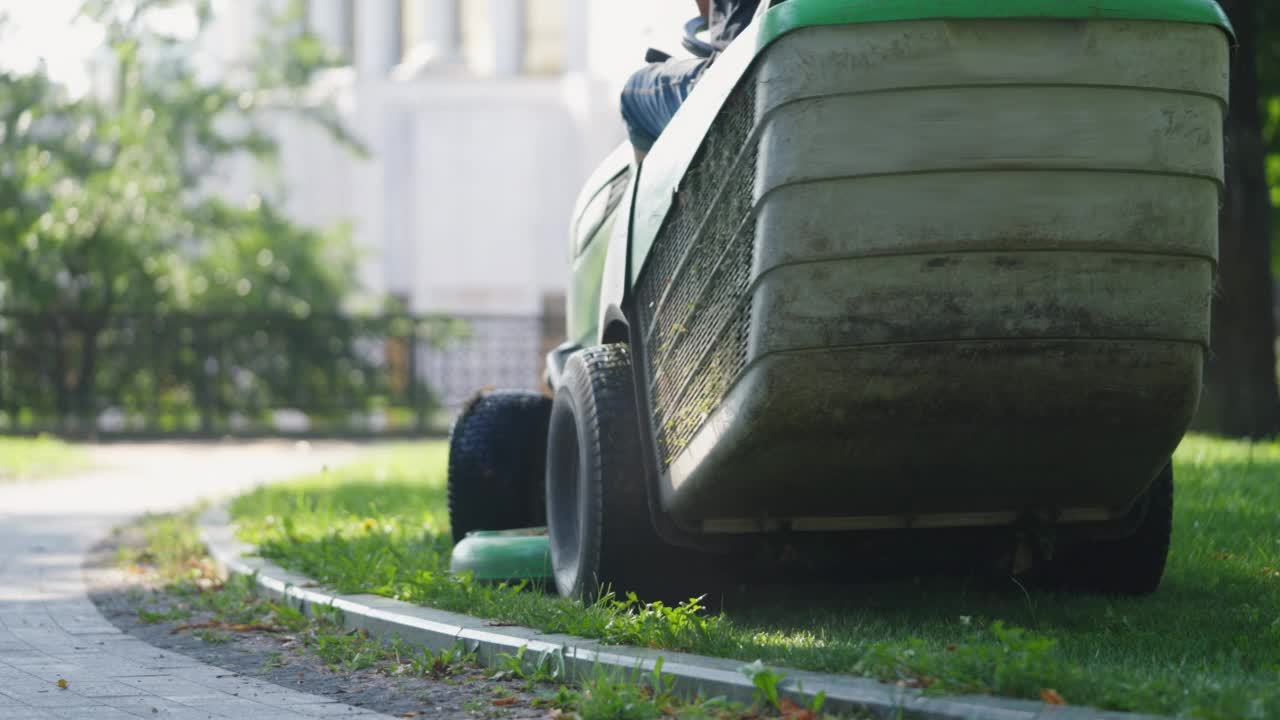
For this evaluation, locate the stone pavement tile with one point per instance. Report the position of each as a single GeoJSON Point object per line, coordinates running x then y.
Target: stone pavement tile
{"type": "Point", "coordinates": [18, 658]}
{"type": "Point", "coordinates": [90, 659]}
{"type": "Point", "coordinates": [150, 656]}
{"type": "Point", "coordinates": [99, 636]}
{"type": "Point", "coordinates": [87, 643]}
{"type": "Point", "coordinates": [52, 698]}
{"type": "Point", "coordinates": [27, 617]}
{"type": "Point", "coordinates": [105, 689]}
{"type": "Point", "coordinates": [167, 686]}
{"type": "Point", "coordinates": [289, 698]}
{"type": "Point", "coordinates": [45, 641]}
{"type": "Point", "coordinates": [17, 677]}
{"type": "Point", "coordinates": [83, 619]}
{"type": "Point", "coordinates": [154, 707]}
{"type": "Point", "coordinates": [51, 630]}
{"type": "Point", "coordinates": [206, 674]}
{"type": "Point", "coordinates": [239, 685]}
{"type": "Point", "coordinates": [239, 708]}
{"type": "Point", "coordinates": [338, 710]}
{"type": "Point", "coordinates": [9, 641]}
{"type": "Point", "coordinates": [25, 713]}
{"type": "Point", "coordinates": [55, 671]}
{"type": "Point", "coordinates": [118, 667]}
{"type": "Point", "coordinates": [92, 713]}
{"type": "Point", "coordinates": [125, 669]}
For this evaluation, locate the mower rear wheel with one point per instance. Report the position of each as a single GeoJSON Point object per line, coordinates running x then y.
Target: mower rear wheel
{"type": "Point", "coordinates": [497, 456]}
{"type": "Point", "coordinates": [602, 536]}
{"type": "Point", "coordinates": [1133, 565]}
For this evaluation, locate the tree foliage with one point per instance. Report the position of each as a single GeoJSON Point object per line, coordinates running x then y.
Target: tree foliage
{"type": "Point", "coordinates": [104, 196]}
{"type": "Point", "coordinates": [106, 212]}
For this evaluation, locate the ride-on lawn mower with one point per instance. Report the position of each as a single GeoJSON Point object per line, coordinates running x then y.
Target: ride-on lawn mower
{"type": "Point", "coordinates": [928, 269]}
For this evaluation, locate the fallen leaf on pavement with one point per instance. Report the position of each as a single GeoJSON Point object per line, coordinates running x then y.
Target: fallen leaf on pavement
{"type": "Point", "coordinates": [793, 711]}
{"type": "Point", "coordinates": [1051, 696]}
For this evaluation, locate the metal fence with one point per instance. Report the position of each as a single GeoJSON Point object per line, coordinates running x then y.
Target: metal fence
{"type": "Point", "coordinates": [135, 374]}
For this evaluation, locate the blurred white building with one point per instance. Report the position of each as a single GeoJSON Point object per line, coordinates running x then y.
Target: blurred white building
{"type": "Point", "coordinates": [482, 117]}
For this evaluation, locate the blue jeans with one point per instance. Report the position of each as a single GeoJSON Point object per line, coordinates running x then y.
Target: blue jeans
{"type": "Point", "coordinates": [654, 94]}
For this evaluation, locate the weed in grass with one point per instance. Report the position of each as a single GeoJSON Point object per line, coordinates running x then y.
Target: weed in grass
{"type": "Point", "coordinates": [606, 697]}
{"type": "Point", "coordinates": [150, 617]}
{"type": "Point", "coordinates": [766, 683]}
{"type": "Point", "coordinates": [327, 615]}
{"type": "Point", "coordinates": [441, 665]}
{"type": "Point", "coordinates": [213, 637]}
{"type": "Point", "coordinates": [647, 696]}
{"type": "Point", "coordinates": [999, 660]}
{"type": "Point", "coordinates": [287, 617]}
{"type": "Point", "coordinates": [274, 661]}
{"type": "Point", "coordinates": [548, 667]}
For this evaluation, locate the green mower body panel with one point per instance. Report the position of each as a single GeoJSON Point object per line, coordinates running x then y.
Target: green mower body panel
{"type": "Point", "coordinates": [503, 556]}
{"type": "Point", "coordinates": [899, 263]}
{"type": "Point", "coordinates": [789, 16]}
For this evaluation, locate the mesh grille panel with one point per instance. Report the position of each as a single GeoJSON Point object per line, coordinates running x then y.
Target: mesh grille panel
{"type": "Point", "coordinates": [692, 296]}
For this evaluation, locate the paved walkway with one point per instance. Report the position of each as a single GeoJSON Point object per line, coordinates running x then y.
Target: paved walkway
{"type": "Point", "coordinates": [51, 631]}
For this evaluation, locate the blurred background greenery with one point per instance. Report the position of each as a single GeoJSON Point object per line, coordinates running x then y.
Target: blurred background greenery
{"type": "Point", "coordinates": [133, 297]}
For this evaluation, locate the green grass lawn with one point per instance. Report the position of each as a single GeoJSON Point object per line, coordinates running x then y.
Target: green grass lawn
{"type": "Point", "coordinates": [27, 458]}
{"type": "Point", "coordinates": [1206, 645]}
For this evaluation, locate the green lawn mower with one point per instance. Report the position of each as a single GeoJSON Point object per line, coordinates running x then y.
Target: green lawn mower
{"type": "Point", "coordinates": [922, 269]}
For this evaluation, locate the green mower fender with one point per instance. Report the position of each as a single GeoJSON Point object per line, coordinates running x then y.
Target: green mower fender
{"type": "Point", "coordinates": [504, 555]}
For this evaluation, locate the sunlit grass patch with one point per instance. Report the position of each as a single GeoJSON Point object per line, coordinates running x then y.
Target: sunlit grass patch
{"type": "Point", "coordinates": [39, 457]}
{"type": "Point", "coordinates": [1206, 645]}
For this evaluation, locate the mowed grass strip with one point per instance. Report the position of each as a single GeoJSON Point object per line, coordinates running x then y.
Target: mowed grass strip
{"type": "Point", "coordinates": [1207, 645]}
{"type": "Point", "coordinates": [39, 457]}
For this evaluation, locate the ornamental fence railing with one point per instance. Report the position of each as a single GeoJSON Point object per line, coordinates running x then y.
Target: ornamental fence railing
{"type": "Point", "coordinates": [247, 374]}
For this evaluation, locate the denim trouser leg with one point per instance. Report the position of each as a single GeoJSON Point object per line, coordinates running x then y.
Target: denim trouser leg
{"type": "Point", "coordinates": [652, 96]}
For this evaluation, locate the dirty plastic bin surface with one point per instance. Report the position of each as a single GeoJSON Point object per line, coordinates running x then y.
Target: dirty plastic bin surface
{"type": "Point", "coordinates": [950, 270]}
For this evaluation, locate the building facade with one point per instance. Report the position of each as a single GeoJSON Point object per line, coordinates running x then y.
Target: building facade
{"type": "Point", "coordinates": [481, 118]}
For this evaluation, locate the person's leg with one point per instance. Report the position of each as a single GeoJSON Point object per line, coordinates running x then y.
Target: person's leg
{"type": "Point", "coordinates": [653, 95]}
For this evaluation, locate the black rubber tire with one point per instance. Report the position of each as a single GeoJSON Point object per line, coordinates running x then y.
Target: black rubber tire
{"type": "Point", "coordinates": [1133, 565]}
{"type": "Point", "coordinates": [602, 537]}
{"type": "Point", "coordinates": [497, 456]}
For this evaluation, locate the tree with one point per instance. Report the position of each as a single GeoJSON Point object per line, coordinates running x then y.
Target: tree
{"type": "Point", "coordinates": [1240, 396]}
{"type": "Point", "coordinates": [104, 211]}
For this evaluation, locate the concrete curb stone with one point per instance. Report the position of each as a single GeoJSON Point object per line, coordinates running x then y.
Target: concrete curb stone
{"type": "Point", "coordinates": [577, 657]}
